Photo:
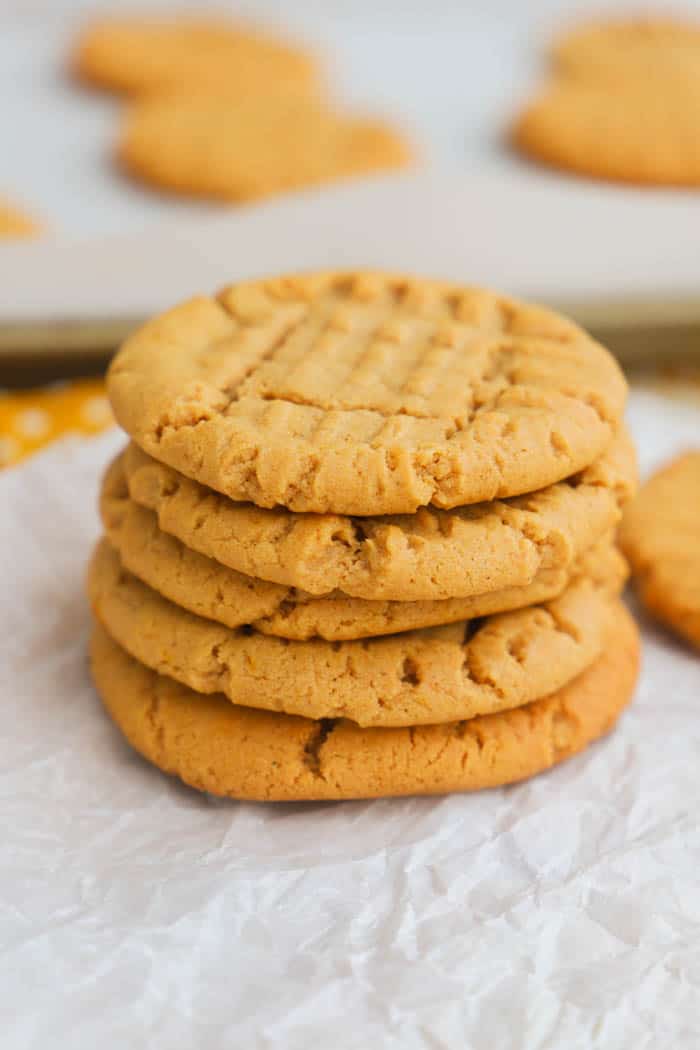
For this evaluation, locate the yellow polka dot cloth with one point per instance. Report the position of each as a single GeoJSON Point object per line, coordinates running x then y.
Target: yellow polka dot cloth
{"type": "Point", "coordinates": [31, 419]}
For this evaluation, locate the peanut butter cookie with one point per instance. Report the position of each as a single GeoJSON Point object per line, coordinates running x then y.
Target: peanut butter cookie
{"type": "Point", "coordinates": [138, 56]}
{"type": "Point", "coordinates": [439, 674]}
{"type": "Point", "coordinates": [660, 534]}
{"type": "Point", "coordinates": [636, 49]}
{"type": "Point", "coordinates": [14, 223]}
{"type": "Point", "coordinates": [365, 394]}
{"type": "Point", "coordinates": [234, 148]}
{"type": "Point", "coordinates": [636, 131]}
{"type": "Point", "coordinates": [433, 554]}
{"type": "Point", "coordinates": [216, 746]}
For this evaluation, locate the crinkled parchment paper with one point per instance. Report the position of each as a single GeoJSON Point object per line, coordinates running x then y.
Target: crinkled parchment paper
{"type": "Point", "coordinates": [562, 913]}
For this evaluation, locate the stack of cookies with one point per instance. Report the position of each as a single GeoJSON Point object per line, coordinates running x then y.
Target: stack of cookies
{"type": "Point", "coordinates": [362, 541]}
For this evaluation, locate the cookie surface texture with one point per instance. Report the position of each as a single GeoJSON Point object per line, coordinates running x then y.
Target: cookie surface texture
{"type": "Point", "coordinates": [217, 747]}
{"type": "Point", "coordinates": [432, 555]}
{"type": "Point", "coordinates": [435, 675]}
{"type": "Point", "coordinates": [366, 394]}
{"type": "Point", "coordinates": [660, 535]}
{"type": "Point", "coordinates": [255, 146]}
{"type": "Point", "coordinates": [137, 56]}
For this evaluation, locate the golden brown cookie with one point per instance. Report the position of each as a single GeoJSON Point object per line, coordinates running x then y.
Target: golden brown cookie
{"type": "Point", "coordinates": [231, 148]}
{"type": "Point", "coordinates": [212, 590]}
{"type": "Point", "coordinates": [365, 393]}
{"type": "Point", "coordinates": [215, 746]}
{"type": "Point", "coordinates": [636, 132]}
{"type": "Point", "coordinates": [431, 555]}
{"type": "Point", "coordinates": [660, 535]}
{"type": "Point", "coordinates": [14, 223]}
{"type": "Point", "coordinates": [435, 675]}
{"type": "Point", "coordinates": [140, 56]}
{"type": "Point", "coordinates": [639, 49]}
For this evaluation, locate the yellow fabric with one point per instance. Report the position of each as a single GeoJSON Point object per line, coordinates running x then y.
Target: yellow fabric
{"type": "Point", "coordinates": [31, 419]}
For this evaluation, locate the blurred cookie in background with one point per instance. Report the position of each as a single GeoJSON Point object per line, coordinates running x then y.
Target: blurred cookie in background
{"type": "Point", "coordinates": [628, 48]}
{"type": "Point", "coordinates": [634, 133]}
{"type": "Point", "coordinates": [137, 56]}
{"type": "Point", "coordinates": [234, 149]}
{"type": "Point", "coordinates": [15, 223]}
{"type": "Point", "coordinates": [623, 104]}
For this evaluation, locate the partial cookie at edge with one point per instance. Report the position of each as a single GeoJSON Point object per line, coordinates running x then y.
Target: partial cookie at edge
{"type": "Point", "coordinates": [636, 49]}
{"type": "Point", "coordinates": [660, 534]}
{"type": "Point", "coordinates": [636, 133]}
{"type": "Point", "coordinates": [14, 223]}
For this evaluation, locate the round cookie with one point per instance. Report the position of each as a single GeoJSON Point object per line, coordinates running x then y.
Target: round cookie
{"type": "Point", "coordinates": [138, 56]}
{"type": "Point", "coordinates": [639, 132]}
{"type": "Point", "coordinates": [640, 49]}
{"type": "Point", "coordinates": [209, 589]}
{"type": "Point", "coordinates": [254, 146]}
{"type": "Point", "coordinates": [14, 223]}
{"type": "Point", "coordinates": [365, 393]}
{"type": "Point", "coordinates": [430, 555]}
{"type": "Point", "coordinates": [227, 750]}
{"type": "Point", "coordinates": [660, 534]}
{"type": "Point", "coordinates": [435, 675]}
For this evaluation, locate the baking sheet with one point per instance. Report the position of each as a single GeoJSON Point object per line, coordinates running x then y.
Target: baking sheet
{"type": "Point", "coordinates": [562, 914]}
{"type": "Point", "coordinates": [621, 259]}
{"type": "Point", "coordinates": [583, 250]}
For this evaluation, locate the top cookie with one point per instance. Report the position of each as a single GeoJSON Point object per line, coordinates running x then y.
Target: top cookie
{"type": "Point", "coordinates": [366, 393]}
{"type": "Point", "coordinates": [637, 48]}
{"type": "Point", "coordinates": [139, 56]}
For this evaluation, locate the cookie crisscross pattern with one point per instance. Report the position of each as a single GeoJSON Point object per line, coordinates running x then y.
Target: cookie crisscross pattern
{"type": "Point", "coordinates": [365, 393]}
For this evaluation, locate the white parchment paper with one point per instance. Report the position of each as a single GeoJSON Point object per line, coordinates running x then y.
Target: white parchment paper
{"type": "Point", "coordinates": [562, 913]}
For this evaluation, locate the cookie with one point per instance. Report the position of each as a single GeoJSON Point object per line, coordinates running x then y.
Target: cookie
{"type": "Point", "coordinates": [363, 393]}
{"type": "Point", "coordinates": [635, 133]}
{"type": "Point", "coordinates": [14, 223]}
{"type": "Point", "coordinates": [224, 749]}
{"type": "Point", "coordinates": [209, 589]}
{"type": "Point", "coordinates": [138, 56]}
{"type": "Point", "coordinates": [435, 675]}
{"type": "Point", "coordinates": [431, 555]}
{"type": "Point", "coordinates": [214, 591]}
{"type": "Point", "coordinates": [639, 49]}
{"type": "Point", "coordinates": [660, 534]}
{"type": "Point", "coordinates": [255, 146]}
